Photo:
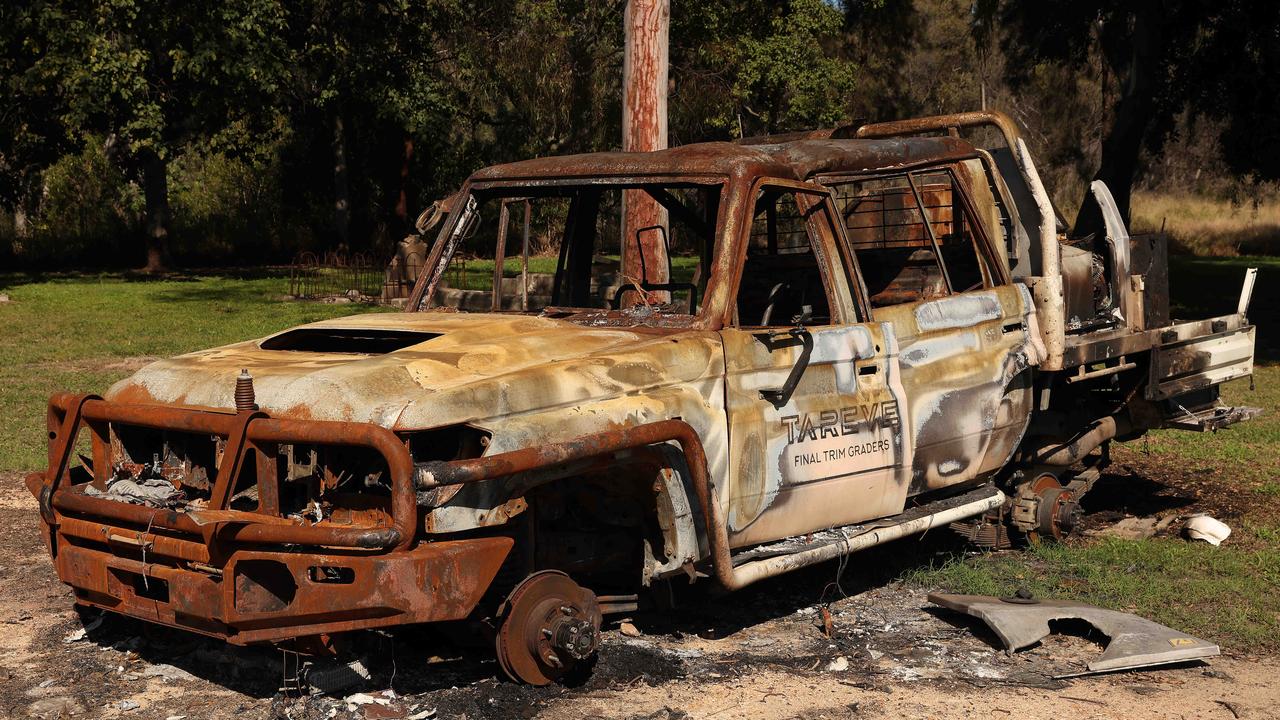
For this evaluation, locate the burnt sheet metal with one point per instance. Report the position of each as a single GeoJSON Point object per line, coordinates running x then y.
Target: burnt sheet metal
{"type": "Point", "coordinates": [1118, 249]}
{"type": "Point", "coordinates": [790, 160]}
{"type": "Point", "coordinates": [1134, 642]}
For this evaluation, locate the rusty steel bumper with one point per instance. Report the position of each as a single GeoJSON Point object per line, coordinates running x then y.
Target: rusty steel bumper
{"type": "Point", "coordinates": [245, 576]}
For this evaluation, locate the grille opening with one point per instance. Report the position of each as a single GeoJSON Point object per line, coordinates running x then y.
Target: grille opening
{"type": "Point", "coordinates": [354, 341]}
{"type": "Point", "coordinates": [151, 588]}
{"type": "Point", "coordinates": [264, 586]}
{"type": "Point", "coordinates": [332, 483]}
{"type": "Point", "coordinates": [333, 574]}
{"type": "Point", "coordinates": [188, 460]}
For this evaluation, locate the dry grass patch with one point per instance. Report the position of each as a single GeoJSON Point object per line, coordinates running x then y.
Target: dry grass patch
{"type": "Point", "coordinates": [1209, 226]}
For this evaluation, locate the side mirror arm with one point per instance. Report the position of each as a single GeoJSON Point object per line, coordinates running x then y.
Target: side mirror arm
{"type": "Point", "coordinates": [774, 340]}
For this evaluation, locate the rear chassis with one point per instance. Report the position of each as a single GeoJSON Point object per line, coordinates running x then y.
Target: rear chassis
{"type": "Point", "coordinates": [249, 577]}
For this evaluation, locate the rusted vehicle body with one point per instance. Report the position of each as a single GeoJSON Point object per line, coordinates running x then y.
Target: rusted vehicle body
{"type": "Point", "coordinates": [855, 339]}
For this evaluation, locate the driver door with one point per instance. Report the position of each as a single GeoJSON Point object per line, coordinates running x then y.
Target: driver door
{"type": "Point", "coordinates": [815, 405]}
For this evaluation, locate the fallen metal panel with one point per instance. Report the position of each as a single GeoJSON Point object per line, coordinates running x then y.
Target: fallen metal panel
{"type": "Point", "coordinates": [1134, 642]}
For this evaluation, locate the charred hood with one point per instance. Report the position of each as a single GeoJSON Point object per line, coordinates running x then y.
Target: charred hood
{"type": "Point", "coordinates": [423, 369]}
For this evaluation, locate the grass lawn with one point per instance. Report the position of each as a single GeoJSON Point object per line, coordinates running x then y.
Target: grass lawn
{"type": "Point", "coordinates": [83, 332]}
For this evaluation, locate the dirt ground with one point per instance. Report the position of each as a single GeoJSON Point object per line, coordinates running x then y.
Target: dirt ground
{"type": "Point", "coordinates": [762, 653]}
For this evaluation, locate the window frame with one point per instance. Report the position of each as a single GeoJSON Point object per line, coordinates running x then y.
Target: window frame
{"type": "Point", "coordinates": [994, 273]}
{"type": "Point", "coordinates": [820, 200]}
{"type": "Point", "coordinates": [420, 300]}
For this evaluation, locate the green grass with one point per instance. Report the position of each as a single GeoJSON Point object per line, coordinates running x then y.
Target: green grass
{"type": "Point", "coordinates": [1226, 594]}
{"type": "Point", "coordinates": [1209, 287]}
{"type": "Point", "coordinates": [477, 273]}
{"type": "Point", "coordinates": [1246, 455]}
{"type": "Point", "coordinates": [67, 333]}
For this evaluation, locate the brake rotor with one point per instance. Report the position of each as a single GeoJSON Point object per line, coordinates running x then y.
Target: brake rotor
{"type": "Point", "coordinates": [550, 627]}
{"type": "Point", "coordinates": [1056, 509]}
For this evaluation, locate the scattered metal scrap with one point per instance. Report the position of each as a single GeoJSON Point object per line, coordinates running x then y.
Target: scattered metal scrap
{"type": "Point", "coordinates": [1135, 642]}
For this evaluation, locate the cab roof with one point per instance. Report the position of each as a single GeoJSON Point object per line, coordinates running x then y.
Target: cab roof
{"type": "Point", "coordinates": [797, 160]}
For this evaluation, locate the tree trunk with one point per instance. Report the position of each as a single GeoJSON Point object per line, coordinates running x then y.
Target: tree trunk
{"type": "Point", "coordinates": [1135, 60]}
{"type": "Point", "coordinates": [341, 187]}
{"type": "Point", "coordinates": [644, 128]}
{"type": "Point", "coordinates": [155, 186]}
{"type": "Point", "coordinates": [402, 223]}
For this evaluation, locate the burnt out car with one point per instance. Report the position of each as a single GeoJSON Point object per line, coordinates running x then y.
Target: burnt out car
{"type": "Point", "coordinates": [814, 346]}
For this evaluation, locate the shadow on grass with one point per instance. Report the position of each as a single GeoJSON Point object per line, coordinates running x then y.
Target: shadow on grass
{"type": "Point", "coordinates": [1116, 496]}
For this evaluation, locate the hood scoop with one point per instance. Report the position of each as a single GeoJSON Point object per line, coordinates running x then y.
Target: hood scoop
{"type": "Point", "coordinates": [354, 341]}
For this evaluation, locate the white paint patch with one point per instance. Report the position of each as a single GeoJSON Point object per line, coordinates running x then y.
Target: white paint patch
{"type": "Point", "coordinates": [950, 467]}
{"type": "Point", "coordinates": [1028, 302]}
{"type": "Point", "coordinates": [936, 349]}
{"type": "Point", "coordinates": [840, 347]}
{"type": "Point", "coordinates": [957, 312]}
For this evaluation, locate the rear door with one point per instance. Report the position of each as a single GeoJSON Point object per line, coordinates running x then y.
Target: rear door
{"type": "Point", "coordinates": [816, 427]}
{"type": "Point", "coordinates": [964, 332]}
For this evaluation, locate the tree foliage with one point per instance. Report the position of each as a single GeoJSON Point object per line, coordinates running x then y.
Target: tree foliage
{"type": "Point", "coordinates": [1218, 59]}
{"type": "Point", "coordinates": [245, 130]}
{"type": "Point", "coordinates": [748, 67]}
{"type": "Point", "coordinates": [154, 75]}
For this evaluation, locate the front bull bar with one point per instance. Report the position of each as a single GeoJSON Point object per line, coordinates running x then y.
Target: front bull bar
{"type": "Point", "coordinates": [244, 431]}
{"type": "Point", "coordinates": [243, 576]}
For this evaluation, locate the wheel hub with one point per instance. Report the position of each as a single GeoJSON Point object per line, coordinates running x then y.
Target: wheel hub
{"type": "Point", "coordinates": [1044, 509]}
{"type": "Point", "coordinates": [550, 626]}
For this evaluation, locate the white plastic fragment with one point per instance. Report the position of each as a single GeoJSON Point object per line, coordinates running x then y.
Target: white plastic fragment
{"type": "Point", "coordinates": [168, 673]}
{"type": "Point", "coordinates": [1210, 530]}
{"type": "Point", "coordinates": [840, 664]}
{"type": "Point", "coordinates": [82, 633]}
{"type": "Point", "coordinates": [424, 715]}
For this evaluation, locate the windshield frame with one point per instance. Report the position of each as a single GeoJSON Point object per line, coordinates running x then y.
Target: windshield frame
{"type": "Point", "coordinates": [467, 200]}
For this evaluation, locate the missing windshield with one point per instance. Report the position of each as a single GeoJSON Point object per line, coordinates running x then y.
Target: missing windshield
{"type": "Point", "coordinates": [566, 251]}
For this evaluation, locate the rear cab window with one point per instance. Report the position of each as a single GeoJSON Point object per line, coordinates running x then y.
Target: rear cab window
{"type": "Point", "coordinates": [914, 235]}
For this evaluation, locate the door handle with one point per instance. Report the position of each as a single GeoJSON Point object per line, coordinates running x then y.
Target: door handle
{"type": "Point", "coordinates": [1012, 327]}
{"type": "Point", "coordinates": [871, 369]}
